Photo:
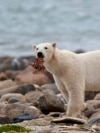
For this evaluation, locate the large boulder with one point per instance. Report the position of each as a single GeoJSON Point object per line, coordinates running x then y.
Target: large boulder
{"type": "Point", "coordinates": [51, 103]}
{"type": "Point", "coordinates": [33, 76]}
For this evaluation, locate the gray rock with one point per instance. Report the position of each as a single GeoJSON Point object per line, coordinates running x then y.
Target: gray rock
{"type": "Point", "coordinates": [51, 103]}
{"type": "Point", "coordinates": [23, 89]}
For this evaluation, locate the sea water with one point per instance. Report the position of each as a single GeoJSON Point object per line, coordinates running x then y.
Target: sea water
{"type": "Point", "coordinates": [73, 24]}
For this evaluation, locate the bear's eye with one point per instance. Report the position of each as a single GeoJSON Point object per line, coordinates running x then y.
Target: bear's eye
{"type": "Point", "coordinates": [45, 48]}
{"type": "Point", "coordinates": [36, 48]}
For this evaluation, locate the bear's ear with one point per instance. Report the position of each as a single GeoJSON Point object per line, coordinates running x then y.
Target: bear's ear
{"type": "Point", "coordinates": [54, 44]}
{"type": "Point", "coordinates": [34, 47]}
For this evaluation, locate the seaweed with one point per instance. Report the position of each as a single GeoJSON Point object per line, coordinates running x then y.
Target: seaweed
{"type": "Point", "coordinates": [13, 129]}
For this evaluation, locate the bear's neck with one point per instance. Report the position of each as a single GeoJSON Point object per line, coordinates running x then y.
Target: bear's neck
{"type": "Point", "coordinates": [54, 64]}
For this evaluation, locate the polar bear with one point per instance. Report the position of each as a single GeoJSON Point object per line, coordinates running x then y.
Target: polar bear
{"type": "Point", "coordinates": [73, 73]}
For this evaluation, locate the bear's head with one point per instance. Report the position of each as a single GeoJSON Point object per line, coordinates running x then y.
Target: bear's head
{"type": "Point", "coordinates": [44, 51]}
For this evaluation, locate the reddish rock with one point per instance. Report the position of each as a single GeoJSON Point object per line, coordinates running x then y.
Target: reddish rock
{"type": "Point", "coordinates": [33, 76]}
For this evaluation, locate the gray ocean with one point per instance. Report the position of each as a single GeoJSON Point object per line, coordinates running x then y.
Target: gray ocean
{"type": "Point", "coordinates": [73, 24]}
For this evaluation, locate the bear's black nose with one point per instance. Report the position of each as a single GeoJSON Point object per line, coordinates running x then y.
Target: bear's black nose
{"type": "Point", "coordinates": [40, 54]}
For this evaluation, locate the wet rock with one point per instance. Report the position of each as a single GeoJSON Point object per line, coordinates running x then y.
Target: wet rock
{"type": "Point", "coordinates": [23, 117]}
{"type": "Point", "coordinates": [49, 88]}
{"type": "Point", "coordinates": [33, 76]}
{"type": "Point", "coordinates": [16, 109]}
{"type": "Point", "coordinates": [97, 97]}
{"type": "Point", "coordinates": [51, 103]}
{"type": "Point", "coordinates": [4, 119]}
{"type": "Point", "coordinates": [12, 97]}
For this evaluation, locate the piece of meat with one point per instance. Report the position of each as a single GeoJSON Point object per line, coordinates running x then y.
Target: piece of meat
{"type": "Point", "coordinates": [38, 64]}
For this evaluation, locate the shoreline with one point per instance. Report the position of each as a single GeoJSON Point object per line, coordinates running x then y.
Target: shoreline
{"type": "Point", "coordinates": [33, 96]}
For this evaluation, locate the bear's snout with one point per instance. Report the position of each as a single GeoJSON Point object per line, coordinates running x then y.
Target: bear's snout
{"type": "Point", "coordinates": [40, 54]}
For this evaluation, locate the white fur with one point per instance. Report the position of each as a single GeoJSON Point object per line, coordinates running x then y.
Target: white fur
{"type": "Point", "coordinates": [73, 73]}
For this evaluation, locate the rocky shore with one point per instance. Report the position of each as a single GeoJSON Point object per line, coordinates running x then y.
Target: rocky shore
{"type": "Point", "coordinates": [30, 98]}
